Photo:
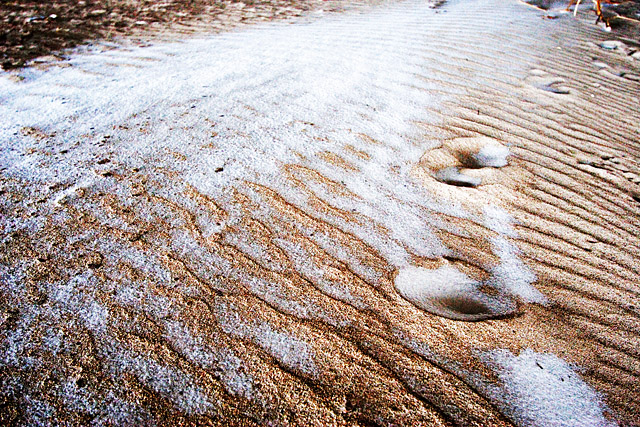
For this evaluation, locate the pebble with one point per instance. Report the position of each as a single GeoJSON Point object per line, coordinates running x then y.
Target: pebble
{"type": "Point", "coordinates": [452, 176]}
{"type": "Point", "coordinates": [600, 64]}
{"type": "Point", "coordinates": [97, 12]}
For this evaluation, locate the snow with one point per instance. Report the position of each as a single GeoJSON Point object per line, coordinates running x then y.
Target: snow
{"type": "Point", "coordinates": [237, 382]}
{"type": "Point", "coordinates": [173, 383]}
{"type": "Point", "coordinates": [543, 390]}
{"type": "Point", "coordinates": [511, 274]}
{"type": "Point", "coordinates": [307, 266]}
{"type": "Point", "coordinates": [294, 353]}
{"type": "Point", "coordinates": [454, 176]}
{"type": "Point", "coordinates": [499, 220]}
{"type": "Point", "coordinates": [263, 97]}
{"type": "Point", "coordinates": [448, 292]}
{"type": "Point", "coordinates": [492, 156]}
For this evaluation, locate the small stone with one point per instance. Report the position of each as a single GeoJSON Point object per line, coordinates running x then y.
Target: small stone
{"type": "Point", "coordinates": [53, 16]}
{"type": "Point", "coordinates": [453, 176]}
{"type": "Point", "coordinates": [600, 64]}
{"type": "Point", "coordinates": [141, 23]}
{"type": "Point", "coordinates": [97, 12]}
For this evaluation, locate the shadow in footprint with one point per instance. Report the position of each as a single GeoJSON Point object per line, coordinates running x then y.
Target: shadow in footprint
{"type": "Point", "coordinates": [454, 163]}
{"type": "Point", "coordinates": [450, 293]}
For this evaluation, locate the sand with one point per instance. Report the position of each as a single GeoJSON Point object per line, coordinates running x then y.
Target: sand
{"type": "Point", "coordinates": [221, 231]}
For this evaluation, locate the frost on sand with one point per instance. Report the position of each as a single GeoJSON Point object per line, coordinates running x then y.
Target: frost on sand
{"type": "Point", "coordinates": [543, 390]}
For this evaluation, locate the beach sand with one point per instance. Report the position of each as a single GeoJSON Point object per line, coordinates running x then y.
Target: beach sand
{"type": "Point", "coordinates": [254, 228]}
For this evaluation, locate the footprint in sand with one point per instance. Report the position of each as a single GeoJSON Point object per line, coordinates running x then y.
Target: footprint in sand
{"type": "Point", "coordinates": [466, 162]}
{"type": "Point", "coordinates": [542, 80]}
{"type": "Point", "coordinates": [448, 292]}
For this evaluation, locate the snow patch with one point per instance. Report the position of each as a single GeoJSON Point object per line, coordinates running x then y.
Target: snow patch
{"type": "Point", "coordinates": [543, 390]}
{"type": "Point", "coordinates": [499, 220]}
{"type": "Point", "coordinates": [512, 275]}
{"type": "Point", "coordinates": [292, 352]}
{"type": "Point", "coordinates": [492, 155]}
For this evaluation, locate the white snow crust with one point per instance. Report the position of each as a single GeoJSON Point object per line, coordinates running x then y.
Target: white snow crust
{"type": "Point", "coordinates": [542, 390]}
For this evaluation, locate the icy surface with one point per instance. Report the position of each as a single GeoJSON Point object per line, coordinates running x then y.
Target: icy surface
{"type": "Point", "coordinates": [543, 390]}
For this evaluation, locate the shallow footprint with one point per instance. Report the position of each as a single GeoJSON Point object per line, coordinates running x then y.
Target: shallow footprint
{"type": "Point", "coordinates": [551, 85]}
{"type": "Point", "coordinates": [455, 161]}
{"type": "Point", "coordinates": [541, 80]}
{"type": "Point", "coordinates": [453, 176]}
{"type": "Point", "coordinates": [450, 293]}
